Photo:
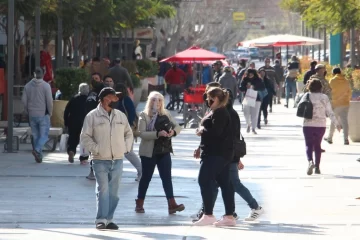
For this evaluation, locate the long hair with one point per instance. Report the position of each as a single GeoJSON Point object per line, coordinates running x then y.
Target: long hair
{"type": "Point", "coordinates": [221, 93]}
{"type": "Point", "coordinates": [148, 107]}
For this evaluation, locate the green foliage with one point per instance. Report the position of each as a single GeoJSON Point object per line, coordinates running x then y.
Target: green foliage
{"type": "Point", "coordinates": [335, 15]}
{"type": "Point", "coordinates": [130, 66]}
{"type": "Point", "coordinates": [147, 68]}
{"type": "Point", "coordinates": [68, 80]}
{"type": "Point", "coordinates": [135, 80]}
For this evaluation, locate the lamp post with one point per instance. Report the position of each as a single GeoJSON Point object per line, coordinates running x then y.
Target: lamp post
{"type": "Point", "coordinates": [10, 74]}
{"type": "Point", "coordinates": [37, 37]}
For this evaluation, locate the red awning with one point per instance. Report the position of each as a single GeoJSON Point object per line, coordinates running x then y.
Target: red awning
{"type": "Point", "coordinates": [281, 40]}
{"type": "Point", "coordinates": [194, 54]}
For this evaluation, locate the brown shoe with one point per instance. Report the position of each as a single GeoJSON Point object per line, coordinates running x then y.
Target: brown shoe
{"type": "Point", "coordinates": [173, 207]}
{"type": "Point", "coordinates": [71, 156]}
{"type": "Point", "coordinates": [139, 206]}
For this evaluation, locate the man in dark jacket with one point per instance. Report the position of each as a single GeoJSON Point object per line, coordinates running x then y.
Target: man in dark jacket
{"type": "Point", "coordinates": [310, 72]}
{"type": "Point", "coordinates": [217, 71]}
{"type": "Point", "coordinates": [119, 74]}
{"type": "Point", "coordinates": [228, 81]}
{"type": "Point", "coordinates": [74, 116]}
{"type": "Point", "coordinates": [271, 74]}
{"type": "Point", "coordinates": [279, 70]}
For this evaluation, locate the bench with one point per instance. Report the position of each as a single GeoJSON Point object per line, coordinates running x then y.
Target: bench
{"type": "Point", "coordinates": [19, 135]}
{"type": "Point", "coordinates": [54, 135]}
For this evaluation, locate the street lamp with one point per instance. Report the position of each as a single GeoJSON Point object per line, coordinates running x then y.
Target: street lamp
{"type": "Point", "coordinates": [10, 74]}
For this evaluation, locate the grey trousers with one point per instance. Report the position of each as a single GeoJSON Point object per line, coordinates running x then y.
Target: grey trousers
{"type": "Point", "coordinates": [135, 161]}
{"type": "Point", "coordinates": [252, 114]}
{"type": "Point", "coordinates": [341, 113]}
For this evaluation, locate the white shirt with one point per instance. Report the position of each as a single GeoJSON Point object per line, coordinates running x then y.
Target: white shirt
{"type": "Point", "coordinates": [321, 109]}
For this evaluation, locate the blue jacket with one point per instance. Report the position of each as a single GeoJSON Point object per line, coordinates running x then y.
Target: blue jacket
{"type": "Point", "coordinates": [206, 75]}
{"type": "Point", "coordinates": [127, 106]}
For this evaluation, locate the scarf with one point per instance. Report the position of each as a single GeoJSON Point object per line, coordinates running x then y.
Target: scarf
{"type": "Point", "coordinates": [155, 112]}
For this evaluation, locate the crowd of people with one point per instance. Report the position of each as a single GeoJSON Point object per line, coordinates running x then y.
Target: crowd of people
{"type": "Point", "coordinates": [102, 118]}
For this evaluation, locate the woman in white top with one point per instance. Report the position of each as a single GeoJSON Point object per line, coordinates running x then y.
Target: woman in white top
{"type": "Point", "coordinates": [314, 129]}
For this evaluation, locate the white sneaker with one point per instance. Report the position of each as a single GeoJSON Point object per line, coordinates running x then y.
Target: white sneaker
{"type": "Point", "coordinates": [225, 221]}
{"type": "Point", "coordinates": [206, 220]}
{"type": "Point", "coordinates": [254, 214]}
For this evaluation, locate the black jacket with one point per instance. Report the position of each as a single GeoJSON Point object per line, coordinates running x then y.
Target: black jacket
{"type": "Point", "coordinates": [92, 100]}
{"type": "Point", "coordinates": [269, 86]}
{"type": "Point", "coordinates": [75, 113]}
{"type": "Point", "coordinates": [257, 83]}
{"type": "Point", "coordinates": [217, 137]}
{"type": "Point", "coordinates": [235, 126]}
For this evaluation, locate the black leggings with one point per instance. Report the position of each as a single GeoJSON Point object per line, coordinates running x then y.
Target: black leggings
{"type": "Point", "coordinates": [264, 107]}
{"type": "Point", "coordinates": [213, 172]}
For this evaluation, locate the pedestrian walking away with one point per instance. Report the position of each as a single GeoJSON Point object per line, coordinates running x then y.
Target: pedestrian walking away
{"type": "Point", "coordinates": [74, 116]}
{"type": "Point", "coordinates": [156, 129]}
{"type": "Point", "coordinates": [293, 70]}
{"type": "Point", "coordinates": [108, 136]}
{"type": "Point", "coordinates": [38, 103]}
{"type": "Point", "coordinates": [126, 105]}
{"type": "Point", "coordinates": [314, 128]}
{"type": "Point", "coordinates": [341, 96]}
{"type": "Point", "coordinates": [279, 70]}
{"type": "Point", "coordinates": [216, 150]}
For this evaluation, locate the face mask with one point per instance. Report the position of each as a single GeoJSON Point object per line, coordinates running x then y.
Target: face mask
{"type": "Point", "coordinates": [94, 83]}
{"type": "Point", "coordinates": [113, 105]}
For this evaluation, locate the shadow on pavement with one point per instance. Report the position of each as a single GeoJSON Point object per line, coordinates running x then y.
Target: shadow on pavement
{"type": "Point", "coordinates": [282, 228]}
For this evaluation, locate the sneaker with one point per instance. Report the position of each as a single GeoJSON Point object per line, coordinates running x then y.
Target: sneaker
{"type": "Point", "coordinates": [310, 168]}
{"type": "Point", "coordinates": [259, 126]}
{"type": "Point", "coordinates": [323, 150]}
{"type": "Point", "coordinates": [196, 217]}
{"type": "Point", "coordinates": [358, 160]}
{"type": "Point", "coordinates": [254, 214]}
{"type": "Point", "coordinates": [91, 176]}
{"type": "Point", "coordinates": [270, 110]}
{"type": "Point", "coordinates": [317, 170]}
{"type": "Point", "coordinates": [346, 142]}
{"type": "Point", "coordinates": [248, 129]}
{"type": "Point", "coordinates": [100, 226]}
{"type": "Point", "coordinates": [112, 226]}
{"type": "Point", "coordinates": [37, 156]}
{"type": "Point", "coordinates": [71, 157]}
{"type": "Point", "coordinates": [328, 140]}
{"type": "Point", "coordinates": [266, 121]}
{"type": "Point", "coordinates": [225, 221]}
{"type": "Point", "coordinates": [254, 132]}
{"type": "Point", "coordinates": [287, 106]}
{"type": "Point", "coordinates": [236, 217]}
{"type": "Point", "coordinates": [206, 220]}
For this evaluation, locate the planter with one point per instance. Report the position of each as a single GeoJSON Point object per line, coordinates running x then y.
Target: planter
{"type": "Point", "coordinates": [354, 123]}
{"type": "Point", "coordinates": [57, 118]}
{"type": "Point", "coordinates": [299, 87]}
{"type": "Point", "coordinates": [144, 89]}
{"type": "Point", "coordinates": [137, 96]}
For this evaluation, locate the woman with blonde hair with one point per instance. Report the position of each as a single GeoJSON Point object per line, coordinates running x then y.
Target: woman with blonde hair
{"type": "Point", "coordinates": [216, 155]}
{"type": "Point", "coordinates": [156, 129]}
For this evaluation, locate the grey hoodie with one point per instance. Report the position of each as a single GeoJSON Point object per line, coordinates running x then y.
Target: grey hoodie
{"type": "Point", "coordinates": [37, 98]}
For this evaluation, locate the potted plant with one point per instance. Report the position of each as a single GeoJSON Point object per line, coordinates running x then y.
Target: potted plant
{"type": "Point", "coordinates": [353, 77]}
{"type": "Point", "coordinates": [147, 70]}
{"type": "Point", "coordinates": [137, 88]}
{"type": "Point", "coordinates": [67, 80]}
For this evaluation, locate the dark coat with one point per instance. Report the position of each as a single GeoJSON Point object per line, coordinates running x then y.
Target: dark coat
{"type": "Point", "coordinates": [75, 113]}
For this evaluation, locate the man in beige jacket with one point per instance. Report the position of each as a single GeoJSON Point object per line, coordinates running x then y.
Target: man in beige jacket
{"type": "Point", "coordinates": [108, 136]}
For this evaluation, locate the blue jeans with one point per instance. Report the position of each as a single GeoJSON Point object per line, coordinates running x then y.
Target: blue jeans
{"type": "Point", "coordinates": [108, 175]}
{"type": "Point", "coordinates": [290, 87]}
{"type": "Point", "coordinates": [163, 163]}
{"type": "Point", "coordinates": [40, 127]}
{"type": "Point", "coordinates": [239, 188]}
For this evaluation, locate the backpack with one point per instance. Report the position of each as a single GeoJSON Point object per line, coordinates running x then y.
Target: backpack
{"type": "Point", "coordinates": [305, 108]}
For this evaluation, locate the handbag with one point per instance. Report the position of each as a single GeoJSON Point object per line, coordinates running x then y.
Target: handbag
{"type": "Point", "coordinates": [305, 107]}
{"type": "Point", "coordinates": [63, 142]}
{"type": "Point", "coordinates": [240, 147]}
{"type": "Point", "coordinates": [250, 98]}
{"type": "Point", "coordinates": [263, 94]}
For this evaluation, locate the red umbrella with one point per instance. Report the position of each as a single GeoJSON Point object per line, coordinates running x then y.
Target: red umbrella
{"type": "Point", "coordinates": [194, 54]}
